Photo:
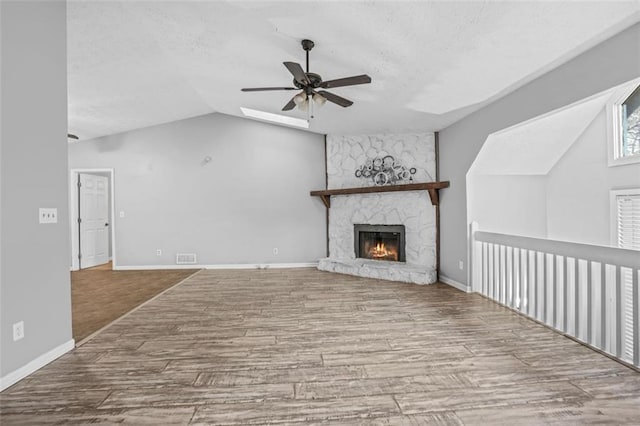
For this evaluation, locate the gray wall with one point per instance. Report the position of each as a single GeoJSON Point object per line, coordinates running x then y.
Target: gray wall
{"type": "Point", "coordinates": [578, 188]}
{"type": "Point", "coordinates": [252, 197]}
{"type": "Point", "coordinates": [34, 276]}
{"type": "Point", "coordinates": [509, 204]}
{"type": "Point", "coordinates": [610, 63]}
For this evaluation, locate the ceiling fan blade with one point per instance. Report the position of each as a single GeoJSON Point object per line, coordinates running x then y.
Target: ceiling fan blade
{"type": "Point", "coordinates": [262, 89]}
{"type": "Point", "coordinates": [335, 98]}
{"type": "Point", "coordinates": [347, 81]}
{"type": "Point", "coordinates": [290, 105]}
{"type": "Point", "coordinates": [298, 72]}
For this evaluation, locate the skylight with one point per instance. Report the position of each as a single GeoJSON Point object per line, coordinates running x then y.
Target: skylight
{"type": "Point", "coordinates": [275, 118]}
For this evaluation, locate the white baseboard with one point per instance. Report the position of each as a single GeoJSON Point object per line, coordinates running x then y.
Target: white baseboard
{"type": "Point", "coordinates": [222, 266]}
{"type": "Point", "coordinates": [455, 284]}
{"type": "Point", "coordinates": [36, 364]}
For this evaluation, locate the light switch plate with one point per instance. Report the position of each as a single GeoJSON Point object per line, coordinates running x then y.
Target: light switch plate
{"type": "Point", "coordinates": [48, 215]}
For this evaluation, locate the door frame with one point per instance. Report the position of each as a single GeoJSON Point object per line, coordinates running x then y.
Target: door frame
{"type": "Point", "coordinates": [73, 216]}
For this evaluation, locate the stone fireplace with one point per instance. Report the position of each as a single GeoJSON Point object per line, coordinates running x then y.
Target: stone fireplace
{"type": "Point", "coordinates": [410, 210]}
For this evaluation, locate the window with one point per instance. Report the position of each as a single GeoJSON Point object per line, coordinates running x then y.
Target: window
{"type": "Point", "coordinates": [624, 125]}
{"type": "Point", "coordinates": [625, 209]}
{"type": "Point", "coordinates": [630, 121]}
{"type": "Point", "coordinates": [625, 218]}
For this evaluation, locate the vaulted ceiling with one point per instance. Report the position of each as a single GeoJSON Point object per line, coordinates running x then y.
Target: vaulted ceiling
{"type": "Point", "coordinates": [135, 64]}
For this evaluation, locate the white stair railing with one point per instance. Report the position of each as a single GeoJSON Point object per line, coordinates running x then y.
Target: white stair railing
{"type": "Point", "coordinates": [588, 292]}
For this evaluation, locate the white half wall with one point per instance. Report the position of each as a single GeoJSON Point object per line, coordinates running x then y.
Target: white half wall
{"type": "Point", "coordinates": [230, 190]}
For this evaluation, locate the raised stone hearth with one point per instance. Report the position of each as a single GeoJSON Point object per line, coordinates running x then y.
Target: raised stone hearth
{"type": "Point", "coordinates": [413, 209]}
{"type": "Point", "coordinates": [394, 271]}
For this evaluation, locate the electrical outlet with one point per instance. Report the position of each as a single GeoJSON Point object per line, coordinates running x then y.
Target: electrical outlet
{"type": "Point", "coordinates": [460, 265]}
{"type": "Point", "coordinates": [48, 215]}
{"type": "Point", "coordinates": [275, 251]}
{"type": "Point", "coordinates": [121, 214]}
{"type": "Point", "coordinates": [18, 330]}
{"type": "Point", "coordinates": [159, 252]}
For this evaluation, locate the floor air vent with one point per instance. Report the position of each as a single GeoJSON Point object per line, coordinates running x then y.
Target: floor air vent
{"type": "Point", "coordinates": [185, 258]}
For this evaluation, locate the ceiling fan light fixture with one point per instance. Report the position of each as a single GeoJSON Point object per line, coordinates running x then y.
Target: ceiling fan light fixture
{"type": "Point", "coordinates": [304, 106]}
{"type": "Point", "coordinates": [300, 99]}
{"type": "Point", "coordinates": [319, 100]}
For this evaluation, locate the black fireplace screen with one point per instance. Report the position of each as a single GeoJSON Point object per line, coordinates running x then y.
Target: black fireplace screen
{"type": "Point", "coordinates": [380, 242]}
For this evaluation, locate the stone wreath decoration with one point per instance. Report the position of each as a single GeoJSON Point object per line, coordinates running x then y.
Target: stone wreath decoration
{"type": "Point", "coordinates": [385, 171]}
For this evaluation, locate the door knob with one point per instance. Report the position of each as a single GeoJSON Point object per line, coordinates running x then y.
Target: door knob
{"type": "Point", "coordinates": [106, 224]}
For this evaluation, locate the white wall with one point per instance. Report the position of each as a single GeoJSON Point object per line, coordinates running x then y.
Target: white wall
{"type": "Point", "coordinates": [508, 204]}
{"type": "Point", "coordinates": [578, 188]}
{"type": "Point", "coordinates": [34, 278]}
{"type": "Point", "coordinates": [252, 197]}
{"type": "Point", "coordinates": [606, 65]}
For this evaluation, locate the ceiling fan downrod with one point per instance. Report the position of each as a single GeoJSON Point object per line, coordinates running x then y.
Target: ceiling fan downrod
{"type": "Point", "coordinates": [307, 45]}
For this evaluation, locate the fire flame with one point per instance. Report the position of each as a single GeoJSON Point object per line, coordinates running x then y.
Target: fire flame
{"type": "Point", "coordinates": [380, 251]}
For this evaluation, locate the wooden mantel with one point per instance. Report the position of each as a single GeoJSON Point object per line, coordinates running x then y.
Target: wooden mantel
{"type": "Point", "coordinates": [432, 187]}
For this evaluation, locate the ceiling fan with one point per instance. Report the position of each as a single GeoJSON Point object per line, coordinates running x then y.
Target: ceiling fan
{"type": "Point", "coordinates": [308, 82]}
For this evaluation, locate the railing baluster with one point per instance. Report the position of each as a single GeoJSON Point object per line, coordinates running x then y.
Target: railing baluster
{"type": "Point", "coordinates": [636, 316]}
{"type": "Point", "coordinates": [520, 282]}
{"type": "Point", "coordinates": [476, 261]}
{"type": "Point", "coordinates": [619, 311]}
{"type": "Point", "coordinates": [570, 316]}
{"type": "Point", "coordinates": [503, 264]}
{"type": "Point", "coordinates": [561, 293]}
{"type": "Point", "coordinates": [564, 295]}
{"type": "Point", "coordinates": [550, 290]}
{"type": "Point", "coordinates": [579, 308]}
{"type": "Point", "coordinates": [510, 292]}
{"type": "Point", "coordinates": [609, 308]}
{"type": "Point", "coordinates": [590, 304]}
{"type": "Point", "coordinates": [490, 276]}
{"type": "Point", "coordinates": [524, 279]}
{"type": "Point", "coordinates": [533, 269]}
{"type": "Point", "coordinates": [485, 269]}
{"type": "Point", "coordinates": [517, 293]}
{"type": "Point", "coordinates": [496, 276]}
{"type": "Point", "coordinates": [496, 272]}
{"type": "Point", "coordinates": [542, 285]}
{"type": "Point", "coordinates": [598, 305]}
{"type": "Point", "coordinates": [604, 310]}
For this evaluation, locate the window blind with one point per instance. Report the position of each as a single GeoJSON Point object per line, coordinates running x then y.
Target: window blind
{"type": "Point", "coordinates": [628, 237]}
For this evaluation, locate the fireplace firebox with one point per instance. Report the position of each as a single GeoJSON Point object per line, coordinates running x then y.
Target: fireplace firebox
{"type": "Point", "coordinates": [379, 242]}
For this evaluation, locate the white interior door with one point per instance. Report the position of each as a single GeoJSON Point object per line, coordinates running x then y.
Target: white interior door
{"type": "Point", "coordinates": [94, 220]}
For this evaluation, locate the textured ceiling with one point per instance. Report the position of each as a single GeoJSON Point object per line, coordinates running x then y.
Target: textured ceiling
{"type": "Point", "coordinates": [136, 64]}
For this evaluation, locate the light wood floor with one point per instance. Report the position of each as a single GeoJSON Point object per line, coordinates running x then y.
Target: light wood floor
{"type": "Point", "coordinates": [100, 295]}
{"type": "Point", "coordinates": [310, 347]}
